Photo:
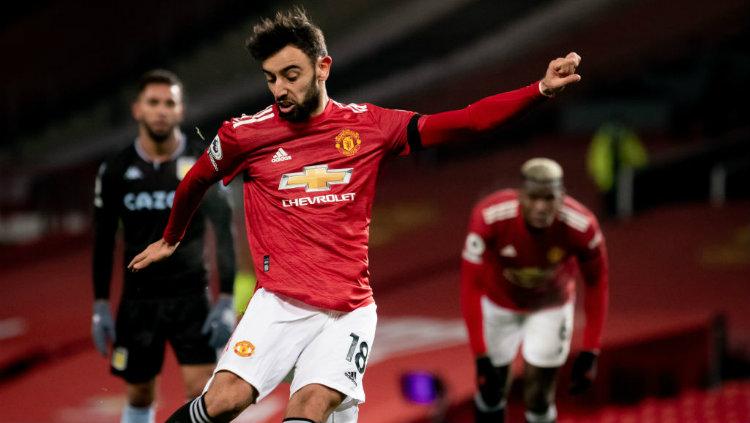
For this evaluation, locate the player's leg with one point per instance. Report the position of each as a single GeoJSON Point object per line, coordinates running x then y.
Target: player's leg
{"type": "Point", "coordinates": [196, 357]}
{"type": "Point", "coordinates": [226, 397]}
{"type": "Point", "coordinates": [137, 357]}
{"type": "Point", "coordinates": [503, 333]}
{"type": "Point", "coordinates": [140, 397]}
{"type": "Point", "coordinates": [545, 348]}
{"type": "Point", "coordinates": [493, 386]}
{"type": "Point", "coordinates": [314, 402]}
{"type": "Point", "coordinates": [262, 350]}
{"type": "Point", "coordinates": [141, 394]}
{"type": "Point", "coordinates": [195, 378]}
{"type": "Point", "coordinates": [328, 379]}
{"type": "Point", "coordinates": [539, 393]}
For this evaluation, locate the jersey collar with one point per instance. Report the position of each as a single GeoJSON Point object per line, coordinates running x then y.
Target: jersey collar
{"type": "Point", "coordinates": [181, 143]}
{"type": "Point", "coordinates": [311, 121]}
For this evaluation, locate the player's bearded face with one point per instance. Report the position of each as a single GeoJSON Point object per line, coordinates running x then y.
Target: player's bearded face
{"type": "Point", "coordinates": [298, 111]}
{"type": "Point", "coordinates": [159, 110]}
{"type": "Point", "coordinates": [540, 204]}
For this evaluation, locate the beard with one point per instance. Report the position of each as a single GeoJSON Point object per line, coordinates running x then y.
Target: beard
{"type": "Point", "coordinates": [302, 111]}
{"type": "Point", "coordinates": [158, 136]}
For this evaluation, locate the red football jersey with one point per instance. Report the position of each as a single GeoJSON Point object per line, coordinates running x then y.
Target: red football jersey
{"type": "Point", "coordinates": [308, 192]}
{"type": "Point", "coordinates": [526, 269]}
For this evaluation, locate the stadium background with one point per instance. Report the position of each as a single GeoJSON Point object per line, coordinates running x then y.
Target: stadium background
{"type": "Point", "coordinates": [677, 340]}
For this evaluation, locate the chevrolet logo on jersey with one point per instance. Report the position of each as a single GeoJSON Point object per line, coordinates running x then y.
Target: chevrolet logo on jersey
{"type": "Point", "coordinates": [316, 178]}
{"type": "Point", "coordinates": [529, 277]}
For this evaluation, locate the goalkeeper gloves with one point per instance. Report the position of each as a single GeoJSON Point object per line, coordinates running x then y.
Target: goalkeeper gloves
{"type": "Point", "coordinates": [102, 326]}
{"type": "Point", "coordinates": [583, 372]}
{"type": "Point", "coordinates": [220, 322]}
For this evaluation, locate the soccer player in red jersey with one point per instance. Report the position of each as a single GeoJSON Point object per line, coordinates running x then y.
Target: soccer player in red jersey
{"type": "Point", "coordinates": [309, 164]}
{"type": "Point", "coordinates": [518, 286]}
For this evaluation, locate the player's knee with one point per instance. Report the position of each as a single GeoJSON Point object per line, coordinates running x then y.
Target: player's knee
{"type": "Point", "coordinates": [228, 395]}
{"type": "Point", "coordinates": [314, 401]}
{"type": "Point", "coordinates": [141, 394]}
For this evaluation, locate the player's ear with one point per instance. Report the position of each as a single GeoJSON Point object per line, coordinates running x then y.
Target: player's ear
{"type": "Point", "coordinates": [135, 110]}
{"type": "Point", "coordinates": [180, 111]}
{"type": "Point", "coordinates": [324, 67]}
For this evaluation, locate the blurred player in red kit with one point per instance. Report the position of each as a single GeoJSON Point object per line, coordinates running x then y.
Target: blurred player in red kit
{"type": "Point", "coordinates": [518, 286]}
{"type": "Point", "coordinates": [309, 166]}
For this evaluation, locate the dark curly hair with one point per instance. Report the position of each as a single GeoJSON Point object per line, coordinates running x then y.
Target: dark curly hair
{"type": "Point", "coordinates": [291, 27]}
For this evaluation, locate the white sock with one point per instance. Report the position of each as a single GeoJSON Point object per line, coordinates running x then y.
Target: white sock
{"type": "Point", "coordinates": [132, 414]}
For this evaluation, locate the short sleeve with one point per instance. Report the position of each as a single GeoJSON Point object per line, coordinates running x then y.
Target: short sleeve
{"type": "Point", "coordinates": [593, 245]}
{"type": "Point", "coordinates": [477, 237]}
{"type": "Point", "coordinates": [393, 124]}
{"type": "Point", "coordinates": [226, 154]}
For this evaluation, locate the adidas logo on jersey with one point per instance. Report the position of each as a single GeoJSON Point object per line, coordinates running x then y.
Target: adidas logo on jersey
{"type": "Point", "coordinates": [280, 156]}
{"type": "Point", "coordinates": [352, 376]}
{"type": "Point", "coordinates": [133, 173]}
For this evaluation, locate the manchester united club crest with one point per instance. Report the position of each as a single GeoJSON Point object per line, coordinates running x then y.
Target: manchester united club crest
{"type": "Point", "coordinates": [348, 142]}
{"type": "Point", "coordinates": [555, 254]}
{"type": "Point", "coordinates": [244, 348]}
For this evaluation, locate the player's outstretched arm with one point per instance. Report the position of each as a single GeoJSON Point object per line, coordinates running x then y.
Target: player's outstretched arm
{"type": "Point", "coordinates": [490, 112]}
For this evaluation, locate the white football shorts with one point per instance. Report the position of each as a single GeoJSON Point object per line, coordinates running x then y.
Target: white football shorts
{"type": "Point", "coordinates": [278, 334]}
{"type": "Point", "coordinates": [546, 334]}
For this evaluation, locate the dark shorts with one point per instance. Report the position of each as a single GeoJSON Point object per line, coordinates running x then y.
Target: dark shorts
{"type": "Point", "coordinates": [144, 326]}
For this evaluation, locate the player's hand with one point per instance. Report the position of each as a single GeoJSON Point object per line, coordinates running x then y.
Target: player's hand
{"type": "Point", "coordinates": [157, 251]}
{"type": "Point", "coordinates": [220, 321]}
{"type": "Point", "coordinates": [583, 373]}
{"type": "Point", "coordinates": [102, 326]}
{"type": "Point", "coordinates": [560, 72]}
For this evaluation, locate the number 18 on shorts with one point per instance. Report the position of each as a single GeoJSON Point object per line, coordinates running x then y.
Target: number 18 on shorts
{"type": "Point", "coordinates": [278, 334]}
